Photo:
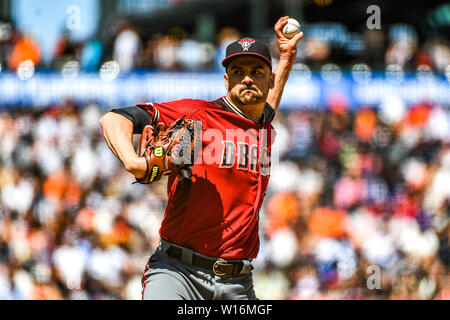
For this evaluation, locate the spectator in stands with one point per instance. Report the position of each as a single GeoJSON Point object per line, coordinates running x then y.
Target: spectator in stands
{"type": "Point", "coordinates": [24, 49]}
{"type": "Point", "coordinates": [127, 47]}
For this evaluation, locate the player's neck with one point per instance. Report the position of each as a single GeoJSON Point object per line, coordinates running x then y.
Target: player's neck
{"type": "Point", "coordinates": [253, 111]}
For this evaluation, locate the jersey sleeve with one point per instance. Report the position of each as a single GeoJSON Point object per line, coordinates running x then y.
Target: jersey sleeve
{"type": "Point", "coordinates": [152, 113]}
{"type": "Point", "coordinates": [168, 112]}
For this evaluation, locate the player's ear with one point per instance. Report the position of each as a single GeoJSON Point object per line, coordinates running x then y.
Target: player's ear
{"type": "Point", "coordinates": [272, 80]}
{"type": "Point", "coordinates": [227, 84]}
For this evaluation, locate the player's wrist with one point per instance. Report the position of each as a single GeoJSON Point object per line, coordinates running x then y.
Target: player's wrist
{"type": "Point", "coordinates": [288, 56]}
{"type": "Point", "coordinates": [286, 62]}
{"type": "Point", "coordinates": [137, 166]}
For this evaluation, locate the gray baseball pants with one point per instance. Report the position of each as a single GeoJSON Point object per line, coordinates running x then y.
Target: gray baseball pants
{"type": "Point", "coordinates": [167, 278]}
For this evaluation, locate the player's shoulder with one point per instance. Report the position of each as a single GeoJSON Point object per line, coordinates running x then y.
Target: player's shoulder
{"type": "Point", "coordinates": [196, 105]}
{"type": "Point", "coordinates": [199, 103]}
{"type": "Point", "coordinates": [182, 103]}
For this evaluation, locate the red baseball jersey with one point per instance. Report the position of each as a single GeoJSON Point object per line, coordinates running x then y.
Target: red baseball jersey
{"type": "Point", "coordinates": [213, 205]}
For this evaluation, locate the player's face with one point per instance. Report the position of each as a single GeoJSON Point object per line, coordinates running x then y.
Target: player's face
{"type": "Point", "coordinates": [248, 80]}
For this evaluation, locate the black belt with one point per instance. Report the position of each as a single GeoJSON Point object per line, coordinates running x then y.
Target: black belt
{"type": "Point", "coordinates": [218, 267]}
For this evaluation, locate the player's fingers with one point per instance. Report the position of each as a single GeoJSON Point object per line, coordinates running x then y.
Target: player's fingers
{"type": "Point", "coordinates": [282, 19]}
{"type": "Point", "coordinates": [280, 24]}
{"type": "Point", "coordinates": [279, 33]}
{"type": "Point", "coordinates": [297, 38]}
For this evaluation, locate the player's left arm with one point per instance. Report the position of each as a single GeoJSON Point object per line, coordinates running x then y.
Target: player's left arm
{"type": "Point", "coordinates": [288, 53]}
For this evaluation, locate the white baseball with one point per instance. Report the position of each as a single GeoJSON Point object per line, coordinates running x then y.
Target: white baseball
{"type": "Point", "coordinates": [291, 28]}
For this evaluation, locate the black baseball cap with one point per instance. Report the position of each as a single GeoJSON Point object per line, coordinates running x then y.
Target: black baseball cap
{"type": "Point", "coordinates": [247, 46]}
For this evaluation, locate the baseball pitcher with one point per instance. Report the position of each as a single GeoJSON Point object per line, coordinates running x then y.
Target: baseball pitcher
{"type": "Point", "coordinates": [217, 158]}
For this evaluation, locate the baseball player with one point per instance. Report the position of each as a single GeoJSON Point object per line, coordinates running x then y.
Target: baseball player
{"type": "Point", "coordinates": [209, 234]}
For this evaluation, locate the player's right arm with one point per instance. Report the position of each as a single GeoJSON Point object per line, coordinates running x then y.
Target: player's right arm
{"type": "Point", "coordinates": [119, 125]}
{"type": "Point", "coordinates": [118, 133]}
{"type": "Point", "coordinates": [288, 55]}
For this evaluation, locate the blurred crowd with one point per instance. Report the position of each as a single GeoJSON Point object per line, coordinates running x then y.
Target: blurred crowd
{"type": "Point", "coordinates": [72, 225]}
{"type": "Point", "coordinates": [358, 204]}
{"type": "Point", "coordinates": [358, 207]}
{"type": "Point", "coordinates": [398, 45]}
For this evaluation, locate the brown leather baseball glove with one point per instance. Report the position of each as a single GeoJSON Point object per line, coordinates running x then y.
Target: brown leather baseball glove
{"type": "Point", "coordinates": [167, 149]}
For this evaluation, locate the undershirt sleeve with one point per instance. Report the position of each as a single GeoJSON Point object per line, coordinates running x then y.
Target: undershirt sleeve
{"type": "Point", "coordinates": [137, 115]}
{"type": "Point", "coordinates": [269, 113]}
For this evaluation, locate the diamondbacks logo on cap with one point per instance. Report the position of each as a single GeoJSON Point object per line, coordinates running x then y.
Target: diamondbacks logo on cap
{"type": "Point", "coordinates": [246, 43]}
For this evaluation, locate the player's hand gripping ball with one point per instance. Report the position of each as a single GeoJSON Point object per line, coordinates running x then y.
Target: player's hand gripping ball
{"type": "Point", "coordinates": [291, 28]}
{"type": "Point", "coordinates": [167, 149]}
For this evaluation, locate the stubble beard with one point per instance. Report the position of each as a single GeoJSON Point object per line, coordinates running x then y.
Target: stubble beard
{"type": "Point", "coordinates": [246, 97]}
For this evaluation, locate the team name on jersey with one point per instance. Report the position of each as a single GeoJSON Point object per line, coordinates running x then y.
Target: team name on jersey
{"type": "Point", "coordinates": [245, 157]}
{"type": "Point", "coordinates": [246, 150]}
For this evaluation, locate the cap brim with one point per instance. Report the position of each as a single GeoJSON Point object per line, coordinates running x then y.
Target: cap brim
{"type": "Point", "coordinates": [227, 60]}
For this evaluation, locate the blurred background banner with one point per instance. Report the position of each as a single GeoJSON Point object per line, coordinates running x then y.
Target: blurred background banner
{"type": "Point", "coordinates": [358, 205]}
{"type": "Point", "coordinates": [313, 90]}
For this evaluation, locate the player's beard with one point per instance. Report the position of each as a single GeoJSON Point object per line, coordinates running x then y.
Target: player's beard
{"type": "Point", "coordinates": [248, 96]}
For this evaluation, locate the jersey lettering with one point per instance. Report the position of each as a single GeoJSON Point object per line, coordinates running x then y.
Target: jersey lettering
{"type": "Point", "coordinates": [253, 157]}
{"type": "Point", "coordinates": [243, 156]}
{"type": "Point", "coordinates": [246, 157]}
{"type": "Point", "coordinates": [228, 154]}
